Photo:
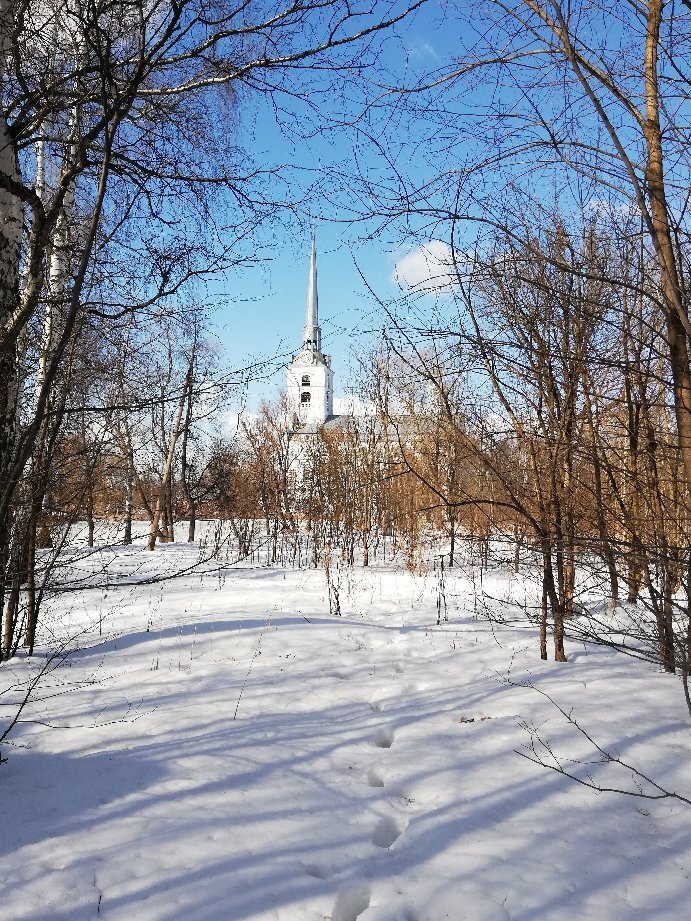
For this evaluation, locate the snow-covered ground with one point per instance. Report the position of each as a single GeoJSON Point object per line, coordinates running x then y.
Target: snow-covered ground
{"type": "Point", "coordinates": [227, 750]}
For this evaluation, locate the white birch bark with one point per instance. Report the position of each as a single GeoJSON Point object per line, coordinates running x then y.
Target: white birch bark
{"type": "Point", "coordinates": [58, 263]}
{"type": "Point", "coordinates": [23, 338]}
{"type": "Point", "coordinates": [10, 248]}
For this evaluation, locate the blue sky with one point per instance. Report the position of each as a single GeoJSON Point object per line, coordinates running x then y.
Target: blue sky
{"type": "Point", "coordinates": [438, 142]}
{"type": "Point", "coordinates": [429, 139]}
{"type": "Point", "coordinates": [264, 313]}
{"type": "Point", "coordinates": [263, 305]}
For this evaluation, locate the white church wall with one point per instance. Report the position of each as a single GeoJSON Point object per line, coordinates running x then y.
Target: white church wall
{"type": "Point", "coordinates": [310, 388]}
{"type": "Point", "coordinates": [309, 375]}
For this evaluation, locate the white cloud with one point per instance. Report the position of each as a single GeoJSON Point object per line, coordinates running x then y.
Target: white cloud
{"type": "Point", "coordinates": [604, 208]}
{"type": "Point", "coordinates": [429, 268]}
{"type": "Point", "coordinates": [420, 48]}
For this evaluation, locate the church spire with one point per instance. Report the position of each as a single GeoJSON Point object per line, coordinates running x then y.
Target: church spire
{"type": "Point", "coordinates": [311, 338]}
{"type": "Point", "coordinates": [309, 375]}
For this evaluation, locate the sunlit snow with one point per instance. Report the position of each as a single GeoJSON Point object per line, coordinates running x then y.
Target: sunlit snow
{"type": "Point", "coordinates": [227, 750]}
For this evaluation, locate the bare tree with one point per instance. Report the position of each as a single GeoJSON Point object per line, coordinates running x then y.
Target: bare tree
{"type": "Point", "coordinates": [112, 127]}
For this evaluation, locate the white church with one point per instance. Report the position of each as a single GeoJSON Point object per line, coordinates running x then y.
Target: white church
{"type": "Point", "coordinates": [309, 389]}
{"type": "Point", "coordinates": [310, 395]}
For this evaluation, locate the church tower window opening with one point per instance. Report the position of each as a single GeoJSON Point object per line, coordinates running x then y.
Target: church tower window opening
{"type": "Point", "coordinates": [305, 380]}
{"type": "Point", "coordinates": [306, 397]}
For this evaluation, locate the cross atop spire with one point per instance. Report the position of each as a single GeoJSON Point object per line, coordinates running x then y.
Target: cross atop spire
{"type": "Point", "coordinates": [312, 335]}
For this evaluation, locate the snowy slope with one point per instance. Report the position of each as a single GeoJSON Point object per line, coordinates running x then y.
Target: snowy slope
{"type": "Point", "coordinates": [226, 750]}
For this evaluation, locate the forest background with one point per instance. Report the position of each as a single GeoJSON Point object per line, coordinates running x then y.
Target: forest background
{"type": "Point", "coordinates": [529, 389]}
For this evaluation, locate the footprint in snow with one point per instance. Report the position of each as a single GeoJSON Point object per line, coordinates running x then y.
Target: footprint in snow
{"type": "Point", "coordinates": [387, 831]}
{"type": "Point", "coordinates": [351, 902]}
{"type": "Point", "coordinates": [318, 871]}
{"type": "Point", "coordinates": [383, 738]}
{"type": "Point", "coordinates": [375, 778]}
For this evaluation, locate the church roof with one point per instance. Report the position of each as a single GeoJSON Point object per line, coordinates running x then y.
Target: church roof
{"type": "Point", "coordinates": [402, 427]}
{"type": "Point", "coordinates": [312, 312]}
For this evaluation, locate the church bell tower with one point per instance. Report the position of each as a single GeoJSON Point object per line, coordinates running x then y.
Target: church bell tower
{"type": "Point", "coordinates": [310, 378]}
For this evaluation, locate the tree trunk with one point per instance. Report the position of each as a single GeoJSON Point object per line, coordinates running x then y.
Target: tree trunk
{"type": "Point", "coordinates": [185, 471]}
{"type": "Point", "coordinates": [555, 601]}
{"type": "Point", "coordinates": [31, 602]}
{"type": "Point", "coordinates": [168, 466]}
{"type": "Point", "coordinates": [543, 619]}
{"type": "Point", "coordinates": [676, 318]}
{"type": "Point", "coordinates": [129, 488]}
{"type": "Point", "coordinates": [10, 246]}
